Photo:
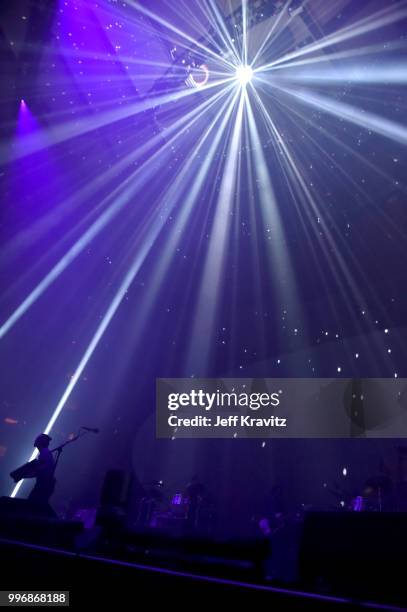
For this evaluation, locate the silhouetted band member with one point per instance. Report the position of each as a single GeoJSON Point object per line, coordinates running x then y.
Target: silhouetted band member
{"type": "Point", "coordinates": [43, 472]}
{"type": "Point", "coordinates": [42, 469]}
{"type": "Point", "coordinates": [195, 491]}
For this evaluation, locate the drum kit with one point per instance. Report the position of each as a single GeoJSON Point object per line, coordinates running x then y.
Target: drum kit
{"type": "Point", "coordinates": [375, 496]}
{"type": "Point", "coordinates": [160, 510]}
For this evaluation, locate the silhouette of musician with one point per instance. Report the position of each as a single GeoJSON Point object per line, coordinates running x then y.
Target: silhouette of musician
{"type": "Point", "coordinates": [195, 492]}
{"type": "Point", "coordinates": [43, 471]}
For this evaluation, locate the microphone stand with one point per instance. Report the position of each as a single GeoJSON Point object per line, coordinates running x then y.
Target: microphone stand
{"type": "Point", "coordinates": [60, 448]}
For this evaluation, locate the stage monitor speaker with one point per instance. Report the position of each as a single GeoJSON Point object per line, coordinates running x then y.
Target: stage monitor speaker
{"type": "Point", "coordinates": [116, 488]}
{"type": "Point", "coordinates": [114, 500]}
{"type": "Point", "coordinates": [18, 522]}
{"type": "Point", "coordinates": [358, 554]}
{"type": "Point", "coordinates": [12, 506]}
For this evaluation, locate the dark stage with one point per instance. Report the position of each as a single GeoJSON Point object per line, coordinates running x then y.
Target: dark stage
{"type": "Point", "coordinates": [357, 557]}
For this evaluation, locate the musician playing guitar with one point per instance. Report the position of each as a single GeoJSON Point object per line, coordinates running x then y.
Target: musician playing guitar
{"type": "Point", "coordinates": [43, 472]}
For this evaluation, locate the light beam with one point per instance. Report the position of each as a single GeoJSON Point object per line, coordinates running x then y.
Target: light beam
{"type": "Point", "coordinates": [244, 74]}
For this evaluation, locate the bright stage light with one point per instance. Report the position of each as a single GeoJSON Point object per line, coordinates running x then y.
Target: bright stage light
{"type": "Point", "coordinates": [244, 74]}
